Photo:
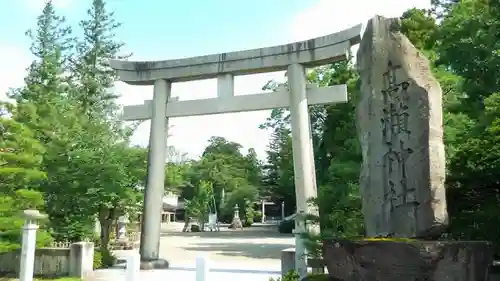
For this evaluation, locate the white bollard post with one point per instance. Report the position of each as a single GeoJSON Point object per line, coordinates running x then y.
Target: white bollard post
{"type": "Point", "coordinates": [202, 268]}
{"type": "Point", "coordinates": [29, 244]}
{"type": "Point", "coordinates": [133, 267]}
{"type": "Point", "coordinates": [263, 212]}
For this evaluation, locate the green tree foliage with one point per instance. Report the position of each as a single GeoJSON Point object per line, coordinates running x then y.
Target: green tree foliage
{"type": "Point", "coordinates": [337, 155]}
{"type": "Point", "coordinates": [68, 104]}
{"type": "Point", "coordinates": [468, 45]}
{"type": "Point", "coordinates": [198, 207]}
{"type": "Point", "coordinates": [93, 51]}
{"type": "Point", "coordinates": [278, 179]}
{"type": "Point", "coordinates": [12, 205]}
{"type": "Point", "coordinates": [50, 115]}
{"type": "Point", "coordinates": [20, 153]}
{"type": "Point", "coordinates": [231, 173]}
{"type": "Point", "coordinates": [109, 169]}
{"type": "Point", "coordinates": [20, 178]}
{"type": "Point", "coordinates": [245, 197]}
{"type": "Point", "coordinates": [464, 47]}
{"type": "Point", "coordinates": [176, 177]}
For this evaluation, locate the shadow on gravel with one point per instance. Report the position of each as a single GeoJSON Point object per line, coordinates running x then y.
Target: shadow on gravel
{"type": "Point", "coordinates": [251, 232]}
{"type": "Point", "coordinates": [248, 250]}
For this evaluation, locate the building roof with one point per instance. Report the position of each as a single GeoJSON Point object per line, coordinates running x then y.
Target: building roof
{"type": "Point", "coordinates": [169, 207]}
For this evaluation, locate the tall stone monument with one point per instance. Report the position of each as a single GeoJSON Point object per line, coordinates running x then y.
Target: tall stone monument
{"type": "Point", "coordinates": [400, 126]}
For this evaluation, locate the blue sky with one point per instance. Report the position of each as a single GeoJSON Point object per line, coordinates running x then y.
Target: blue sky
{"type": "Point", "coordinates": [173, 28]}
{"type": "Point", "coordinates": [161, 29]}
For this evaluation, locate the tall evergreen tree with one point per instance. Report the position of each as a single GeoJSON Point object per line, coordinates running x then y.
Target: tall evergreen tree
{"type": "Point", "coordinates": [45, 85]}
{"type": "Point", "coordinates": [106, 157]}
{"type": "Point", "coordinates": [46, 107]}
{"type": "Point", "coordinates": [91, 68]}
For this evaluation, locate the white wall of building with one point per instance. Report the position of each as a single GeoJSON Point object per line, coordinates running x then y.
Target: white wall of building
{"type": "Point", "coordinates": [171, 199]}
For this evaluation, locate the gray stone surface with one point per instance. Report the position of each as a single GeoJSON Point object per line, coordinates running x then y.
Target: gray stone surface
{"type": "Point", "coordinates": [400, 128]}
{"type": "Point", "coordinates": [312, 52]}
{"type": "Point", "coordinates": [348, 260]}
{"type": "Point", "coordinates": [154, 264]}
{"type": "Point", "coordinates": [287, 260]}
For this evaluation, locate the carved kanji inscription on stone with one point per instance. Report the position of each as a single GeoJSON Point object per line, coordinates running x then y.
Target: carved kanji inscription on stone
{"type": "Point", "coordinates": [395, 132]}
{"type": "Point", "coordinates": [399, 118]}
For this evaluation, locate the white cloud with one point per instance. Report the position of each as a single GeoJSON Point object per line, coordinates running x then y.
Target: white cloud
{"type": "Point", "coordinates": [190, 134]}
{"type": "Point", "coordinates": [14, 61]}
{"type": "Point", "coordinates": [329, 16]}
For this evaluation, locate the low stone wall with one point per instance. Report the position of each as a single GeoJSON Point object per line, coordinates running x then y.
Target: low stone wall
{"type": "Point", "coordinates": [75, 261]}
{"type": "Point", "coordinates": [48, 262]}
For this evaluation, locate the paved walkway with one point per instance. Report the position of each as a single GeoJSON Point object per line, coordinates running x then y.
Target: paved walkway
{"type": "Point", "coordinates": [249, 254]}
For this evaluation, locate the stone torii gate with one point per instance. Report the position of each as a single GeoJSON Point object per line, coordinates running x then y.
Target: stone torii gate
{"type": "Point", "coordinates": [294, 58]}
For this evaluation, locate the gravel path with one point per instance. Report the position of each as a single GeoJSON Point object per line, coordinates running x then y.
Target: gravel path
{"type": "Point", "coordinates": [249, 254]}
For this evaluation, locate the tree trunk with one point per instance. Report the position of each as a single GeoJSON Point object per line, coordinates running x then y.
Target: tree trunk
{"type": "Point", "coordinates": [186, 224]}
{"type": "Point", "coordinates": [105, 232]}
{"type": "Point", "coordinates": [201, 223]}
{"type": "Point", "coordinates": [106, 217]}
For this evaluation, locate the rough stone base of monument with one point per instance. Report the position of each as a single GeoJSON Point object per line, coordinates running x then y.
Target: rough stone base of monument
{"type": "Point", "coordinates": [349, 260]}
{"type": "Point", "coordinates": [123, 245]}
{"type": "Point", "coordinates": [154, 264]}
{"type": "Point", "coordinates": [319, 277]}
{"type": "Point", "coordinates": [236, 223]}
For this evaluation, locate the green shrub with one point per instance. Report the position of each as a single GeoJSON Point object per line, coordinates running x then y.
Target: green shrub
{"type": "Point", "coordinates": [247, 223]}
{"type": "Point", "coordinates": [195, 228]}
{"type": "Point", "coordinates": [103, 258]}
{"type": "Point", "coordinates": [257, 215]}
{"type": "Point", "coordinates": [96, 238]}
{"type": "Point", "coordinates": [291, 275]}
{"type": "Point", "coordinates": [97, 260]}
{"type": "Point", "coordinates": [108, 259]}
{"type": "Point", "coordinates": [286, 226]}
{"type": "Point", "coordinates": [12, 204]}
{"type": "Point", "coordinates": [249, 214]}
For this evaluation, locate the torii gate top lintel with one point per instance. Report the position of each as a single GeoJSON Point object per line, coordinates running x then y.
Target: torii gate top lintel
{"type": "Point", "coordinates": [313, 52]}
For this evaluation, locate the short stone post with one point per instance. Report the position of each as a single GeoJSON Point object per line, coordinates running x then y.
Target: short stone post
{"type": "Point", "coordinates": [287, 261]}
{"type": "Point", "coordinates": [29, 244]}
{"type": "Point", "coordinates": [283, 211]}
{"type": "Point", "coordinates": [202, 268]}
{"type": "Point", "coordinates": [81, 259]}
{"type": "Point", "coordinates": [133, 267]}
